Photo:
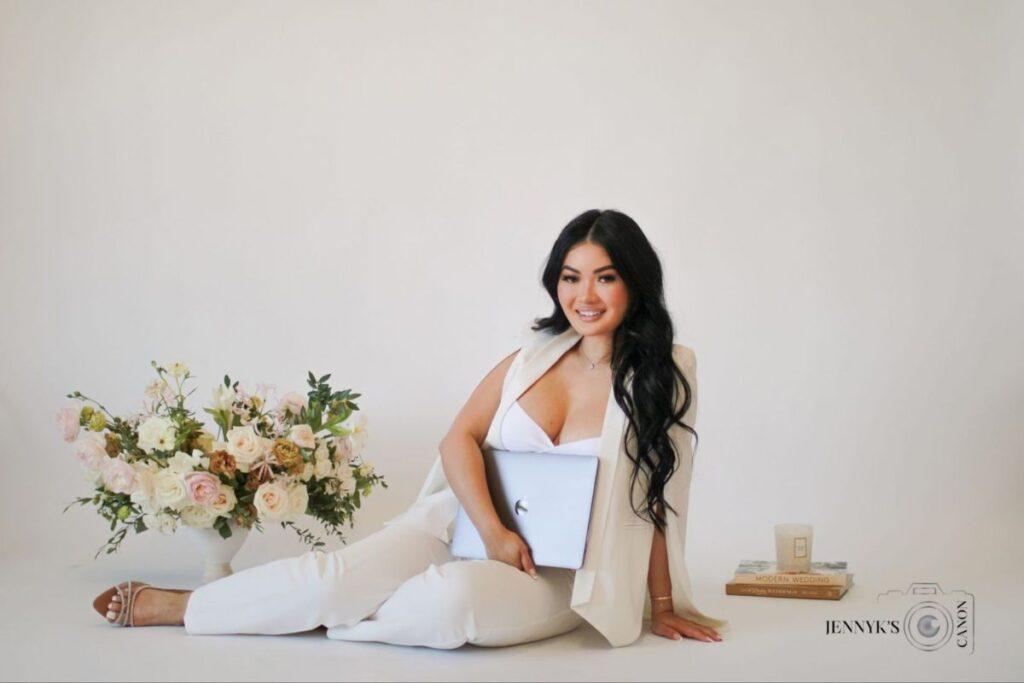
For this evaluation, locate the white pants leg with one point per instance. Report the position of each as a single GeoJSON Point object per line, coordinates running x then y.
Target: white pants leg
{"type": "Point", "coordinates": [481, 602]}
{"type": "Point", "coordinates": [316, 588]}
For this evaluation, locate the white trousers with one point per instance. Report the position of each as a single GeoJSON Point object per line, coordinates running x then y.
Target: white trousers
{"type": "Point", "coordinates": [399, 585]}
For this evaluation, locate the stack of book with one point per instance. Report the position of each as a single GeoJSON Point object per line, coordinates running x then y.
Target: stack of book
{"type": "Point", "coordinates": [825, 581]}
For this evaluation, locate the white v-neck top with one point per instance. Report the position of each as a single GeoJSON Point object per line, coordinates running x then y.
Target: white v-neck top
{"type": "Point", "coordinates": [519, 432]}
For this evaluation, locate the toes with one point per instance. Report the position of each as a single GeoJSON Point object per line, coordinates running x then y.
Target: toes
{"type": "Point", "coordinates": [111, 616]}
{"type": "Point", "coordinates": [116, 598]}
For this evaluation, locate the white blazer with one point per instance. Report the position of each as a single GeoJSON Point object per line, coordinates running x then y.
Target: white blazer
{"type": "Point", "coordinates": [610, 589]}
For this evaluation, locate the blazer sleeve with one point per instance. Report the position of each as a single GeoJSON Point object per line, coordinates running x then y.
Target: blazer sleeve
{"type": "Point", "coordinates": [677, 494]}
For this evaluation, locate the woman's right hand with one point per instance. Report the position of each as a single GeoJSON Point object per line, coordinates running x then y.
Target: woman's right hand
{"type": "Point", "coordinates": [507, 546]}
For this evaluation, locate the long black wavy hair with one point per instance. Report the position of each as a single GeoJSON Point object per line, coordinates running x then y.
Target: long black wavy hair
{"type": "Point", "coordinates": [642, 343]}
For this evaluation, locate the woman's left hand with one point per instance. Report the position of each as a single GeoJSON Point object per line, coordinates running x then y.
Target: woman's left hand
{"type": "Point", "coordinates": [668, 625]}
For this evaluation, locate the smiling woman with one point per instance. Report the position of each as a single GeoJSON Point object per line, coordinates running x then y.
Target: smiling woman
{"type": "Point", "coordinates": [603, 363]}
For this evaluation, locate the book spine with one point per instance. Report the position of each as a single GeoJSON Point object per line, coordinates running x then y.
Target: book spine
{"type": "Point", "coordinates": [792, 579]}
{"type": "Point", "coordinates": [775, 591]}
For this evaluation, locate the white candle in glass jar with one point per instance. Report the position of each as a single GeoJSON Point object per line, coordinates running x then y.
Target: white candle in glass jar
{"type": "Point", "coordinates": [793, 547]}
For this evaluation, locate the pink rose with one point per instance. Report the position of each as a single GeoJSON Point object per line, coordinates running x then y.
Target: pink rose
{"type": "Point", "coordinates": [67, 420]}
{"type": "Point", "coordinates": [118, 476]}
{"type": "Point", "coordinates": [91, 451]}
{"type": "Point", "coordinates": [203, 487]}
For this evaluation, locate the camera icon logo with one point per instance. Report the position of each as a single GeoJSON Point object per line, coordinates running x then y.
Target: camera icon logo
{"type": "Point", "coordinates": [934, 618]}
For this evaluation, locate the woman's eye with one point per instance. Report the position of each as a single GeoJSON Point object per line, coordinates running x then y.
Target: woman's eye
{"type": "Point", "coordinates": [603, 278]}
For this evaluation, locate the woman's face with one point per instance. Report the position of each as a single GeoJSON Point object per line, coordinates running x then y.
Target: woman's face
{"type": "Point", "coordinates": [589, 283]}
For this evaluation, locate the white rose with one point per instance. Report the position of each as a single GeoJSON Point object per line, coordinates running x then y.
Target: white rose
{"type": "Point", "coordinates": [307, 472]}
{"type": "Point", "coordinates": [321, 452]}
{"type": "Point", "coordinates": [223, 397]}
{"type": "Point", "coordinates": [344, 472]}
{"type": "Point", "coordinates": [156, 434]}
{"type": "Point", "coordinates": [225, 501]}
{"type": "Point", "coordinates": [183, 463]}
{"type": "Point", "coordinates": [302, 436]}
{"type": "Point", "coordinates": [170, 490]}
{"type": "Point", "coordinates": [161, 521]}
{"type": "Point", "coordinates": [298, 501]}
{"type": "Point", "coordinates": [346, 486]}
{"type": "Point", "coordinates": [293, 402]}
{"type": "Point", "coordinates": [246, 446]}
{"type": "Point", "coordinates": [198, 516]}
{"type": "Point", "coordinates": [323, 469]}
{"type": "Point", "coordinates": [272, 502]}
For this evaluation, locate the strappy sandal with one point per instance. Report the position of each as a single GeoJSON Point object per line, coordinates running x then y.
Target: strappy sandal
{"type": "Point", "coordinates": [126, 592]}
{"type": "Point", "coordinates": [129, 589]}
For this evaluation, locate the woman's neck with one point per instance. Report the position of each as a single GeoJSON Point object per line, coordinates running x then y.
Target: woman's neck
{"type": "Point", "coordinates": [597, 348]}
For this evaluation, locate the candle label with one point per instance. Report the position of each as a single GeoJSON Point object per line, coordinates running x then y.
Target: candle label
{"type": "Point", "coordinates": [800, 546]}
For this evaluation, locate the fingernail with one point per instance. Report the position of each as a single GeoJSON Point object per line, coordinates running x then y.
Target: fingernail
{"type": "Point", "coordinates": [533, 575]}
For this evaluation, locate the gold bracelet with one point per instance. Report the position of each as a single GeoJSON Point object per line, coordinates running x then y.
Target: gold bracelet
{"type": "Point", "coordinates": [663, 597]}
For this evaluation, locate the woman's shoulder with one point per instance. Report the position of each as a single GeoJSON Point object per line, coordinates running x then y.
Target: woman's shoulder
{"type": "Point", "coordinates": [684, 356]}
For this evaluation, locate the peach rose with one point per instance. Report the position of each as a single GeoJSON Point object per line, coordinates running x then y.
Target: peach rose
{"type": "Point", "coordinates": [246, 446]}
{"type": "Point", "coordinates": [303, 437]}
{"type": "Point", "coordinates": [293, 402]}
{"type": "Point", "coordinates": [272, 503]}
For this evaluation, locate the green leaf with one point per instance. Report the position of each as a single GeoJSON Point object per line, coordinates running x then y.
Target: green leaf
{"type": "Point", "coordinates": [224, 530]}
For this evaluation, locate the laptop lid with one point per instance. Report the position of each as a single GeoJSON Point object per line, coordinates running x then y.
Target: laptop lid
{"type": "Point", "coordinates": [546, 498]}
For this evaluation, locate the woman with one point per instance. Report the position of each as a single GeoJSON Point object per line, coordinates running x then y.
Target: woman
{"type": "Point", "coordinates": [602, 377]}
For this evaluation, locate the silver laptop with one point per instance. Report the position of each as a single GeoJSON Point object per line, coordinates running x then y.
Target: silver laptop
{"type": "Point", "coordinates": [544, 497]}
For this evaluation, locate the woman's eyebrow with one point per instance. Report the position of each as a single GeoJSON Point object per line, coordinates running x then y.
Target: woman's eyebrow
{"type": "Point", "coordinates": [596, 270]}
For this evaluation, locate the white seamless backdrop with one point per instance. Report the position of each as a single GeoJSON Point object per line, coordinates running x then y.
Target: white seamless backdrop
{"type": "Point", "coordinates": [370, 189]}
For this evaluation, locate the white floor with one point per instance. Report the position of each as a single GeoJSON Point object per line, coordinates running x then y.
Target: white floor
{"type": "Point", "coordinates": [50, 632]}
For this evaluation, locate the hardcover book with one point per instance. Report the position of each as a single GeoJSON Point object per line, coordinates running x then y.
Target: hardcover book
{"type": "Point", "coordinates": [763, 572]}
{"type": "Point", "coordinates": [811, 592]}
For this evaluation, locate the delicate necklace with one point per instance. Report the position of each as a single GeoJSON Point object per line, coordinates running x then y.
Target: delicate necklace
{"type": "Point", "coordinates": [592, 363]}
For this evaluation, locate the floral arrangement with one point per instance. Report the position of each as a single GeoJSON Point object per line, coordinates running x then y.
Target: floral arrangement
{"type": "Point", "coordinates": [161, 467]}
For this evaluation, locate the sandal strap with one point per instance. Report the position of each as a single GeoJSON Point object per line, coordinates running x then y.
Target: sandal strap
{"type": "Point", "coordinates": [127, 594]}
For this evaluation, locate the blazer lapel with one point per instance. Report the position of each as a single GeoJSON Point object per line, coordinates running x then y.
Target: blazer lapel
{"type": "Point", "coordinates": [532, 369]}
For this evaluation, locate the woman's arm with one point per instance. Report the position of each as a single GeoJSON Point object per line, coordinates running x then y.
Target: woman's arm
{"type": "Point", "coordinates": [463, 463]}
{"type": "Point", "coordinates": [664, 621]}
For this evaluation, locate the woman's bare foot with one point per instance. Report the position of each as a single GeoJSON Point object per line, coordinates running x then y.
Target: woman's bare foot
{"type": "Point", "coordinates": [152, 607]}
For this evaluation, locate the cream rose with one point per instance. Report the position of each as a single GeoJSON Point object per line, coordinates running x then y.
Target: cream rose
{"type": "Point", "coordinates": [246, 446]}
{"type": "Point", "coordinates": [145, 487]}
{"type": "Point", "coordinates": [298, 501]}
{"type": "Point", "coordinates": [198, 516]}
{"type": "Point", "coordinates": [302, 436]}
{"type": "Point", "coordinates": [293, 402]}
{"type": "Point", "coordinates": [272, 502]}
{"type": "Point", "coordinates": [170, 490]}
{"type": "Point", "coordinates": [323, 469]}
{"type": "Point", "coordinates": [161, 521]}
{"type": "Point", "coordinates": [225, 501]}
{"type": "Point", "coordinates": [156, 434]}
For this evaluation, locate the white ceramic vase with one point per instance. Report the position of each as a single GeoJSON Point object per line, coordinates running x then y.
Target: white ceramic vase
{"type": "Point", "coordinates": [215, 551]}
